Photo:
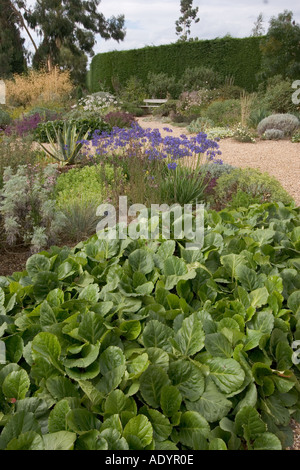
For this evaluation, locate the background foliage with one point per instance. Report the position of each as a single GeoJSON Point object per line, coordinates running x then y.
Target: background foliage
{"type": "Point", "coordinates": [240, 58]}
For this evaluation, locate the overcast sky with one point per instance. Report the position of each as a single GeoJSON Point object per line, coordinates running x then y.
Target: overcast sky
{"type": "Point", "coordinates": [152, 22]}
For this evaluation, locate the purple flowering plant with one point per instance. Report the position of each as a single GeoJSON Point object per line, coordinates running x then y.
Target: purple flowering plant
{"type": "Point", "coordinates": [148, 158]}
{"type": "Point", "coordinates": [27, 124]}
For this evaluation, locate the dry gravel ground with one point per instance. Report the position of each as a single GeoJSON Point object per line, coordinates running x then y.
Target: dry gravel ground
{"type": "Point", "coordinates": [280, 159]}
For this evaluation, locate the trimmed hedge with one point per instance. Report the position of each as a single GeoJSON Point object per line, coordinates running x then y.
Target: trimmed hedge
{"type": "Point", "coordinates": [237, 57]}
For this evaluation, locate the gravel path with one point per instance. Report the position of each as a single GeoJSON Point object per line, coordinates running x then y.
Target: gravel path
{"type": "Point", "coordinates": [280, 159]}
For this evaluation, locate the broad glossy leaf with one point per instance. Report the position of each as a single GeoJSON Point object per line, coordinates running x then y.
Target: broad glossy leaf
{"type": "Point", "coordinates": [170, 400]}
{"type": "Point", "coordinates": [192, 426]}
{"type": "Point", "coordinates": [267, 441]}
{"type": "Point", "coordinates": [58, 417]}
{"type": "Point", "coordinates": [16, 385]}
{"type": "Point", "coordinates": [19, 423]}
{"type": "Point", "coordinates": [212, 404]}
{"type": "Point", "coordinates": [218, 345]}
{"type": "Point", "coordinates": [91, 440]}
{"type": "Point", "coordinates": [249, 423]}
{"type": "Point", "coordinates": [152, 382]}
{"type": "Point", "coordinates": [112, 368]}
{"type": "Point", "coordinates": [259, 297]}
{"type": "Point", "coordinates": [91, 327]}
{"type": "Point", "coordinates": [90, 293]}
{"type": "Point", "coordinates": [62, 440]}
{"type": "Point", "coordinates": [36, 264]}
{"type": "Point", "coordinates": [29, 440]}
{"type": "Point", "coordinates": [227, 374]}
{"type": "Point", "coordinates": [157, 335]}
{"type": "Point", "coordinates": [189, 339]}
{"type": "Point", "coordinates": [140, 427]}
{"type": "Point", "coordinates": [142, 261]}
{"type": "Point", "coordinates": [47, 346]}
{"type": "Point", "coordinates": [188, 378]}
{"type": "Point", "coordinates": [162, 427]}
{"type": "Point", "coordinates": [81, 420]}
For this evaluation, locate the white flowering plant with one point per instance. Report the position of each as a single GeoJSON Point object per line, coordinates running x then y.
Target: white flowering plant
{"type": "Point", "coordinates": [97, 103]}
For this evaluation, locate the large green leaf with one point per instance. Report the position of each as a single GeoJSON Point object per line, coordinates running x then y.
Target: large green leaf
{"type": "Point", "coordinates": [193, 428]}
{"type": "Point", "coordinates": [16, 385]}
{"type": "Point", "coordinates": [218, 345]}
{"type": "Point", "coordinates": [188, 378]}
{"type": "Point", "coordinates": [62, 440]}
{"type": "Point", "coordinates": [212, 404]}
{"type": "Point", "coordinates": [152, 382]}
{"type": "Point", "coordinates": [142, 261]}
{"type": "Point", "coordinates": [139, 427]}
{"type": "Point", "coordinates": [170, 400]}
{"type": "Point", "coordinates": [189, 339]}
{"type": "Point", "coordinates": [157, 335]}
{"type": "Point", "coordinates": [227, 374]}
{"type": "Point", "coordinates": [112, 368]}
{"type": "Point", "coordinates": [249, 424]}
{"type": "Point", "coordinates": [48, 347]}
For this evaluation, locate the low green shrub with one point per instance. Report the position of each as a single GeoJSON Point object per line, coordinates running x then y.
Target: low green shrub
{"type": "Point", "coordinates": [214, 133]}
{"type": "Point", "coordinates": [243, 134]}
{"type": "Point", "coordinates": [119, 119]}
{"type": "Point", "coordinates": [296, 137]}
{"type": "Point", "coordinates": [229, 92]}
{"type": "Point", "coordinates": [182, 185]}
{"type": "Point", "coordinates": [287, 123]}
{"type": "Point", "coordinates": [19, 152]}
{"type": "Point", "coordinates": [201, 124]}
{"type": "Point", "coordinates": [224, 113]}
{"type": "Point", "coordinates": [84, 184]}
{"type": "Point", "coordinates": [195, 78]}
{"type": "Point", "coordinates": [277, 97]}
{"type": "Point", "coordinates": [260, 187]}
{"type": "Point", "coordinates": [5, 118]}
{"type": "Point", "coordinates": [166, 108]}
{"type": "Point", "coordinates": [133, 91]}
{"type": "Point", "coordinates": [257, 115]}
{"type": "Point", "coordinates": [161, 85]}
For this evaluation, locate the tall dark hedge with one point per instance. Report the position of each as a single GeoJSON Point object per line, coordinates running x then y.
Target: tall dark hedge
{"type": "Point", "coordinates": [236, 57]}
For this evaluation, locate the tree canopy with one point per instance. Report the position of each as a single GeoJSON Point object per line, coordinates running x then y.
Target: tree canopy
{"type": "Point", "coordinates": [68, 29]}
{"type": "Point", "coordinates": [189, 14]}
{"type": "Point", "coordinates": [12, 53]}
{"type": "Point", "coordinates": [281, 47]}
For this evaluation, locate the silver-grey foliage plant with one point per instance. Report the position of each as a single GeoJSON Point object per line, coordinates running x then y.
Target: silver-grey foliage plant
{"type": "Point", "coordinates": [287, 123]}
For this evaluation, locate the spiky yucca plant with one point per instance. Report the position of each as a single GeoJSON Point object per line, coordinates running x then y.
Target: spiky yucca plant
{"type": "Point", "coordinates": [66, 145]}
